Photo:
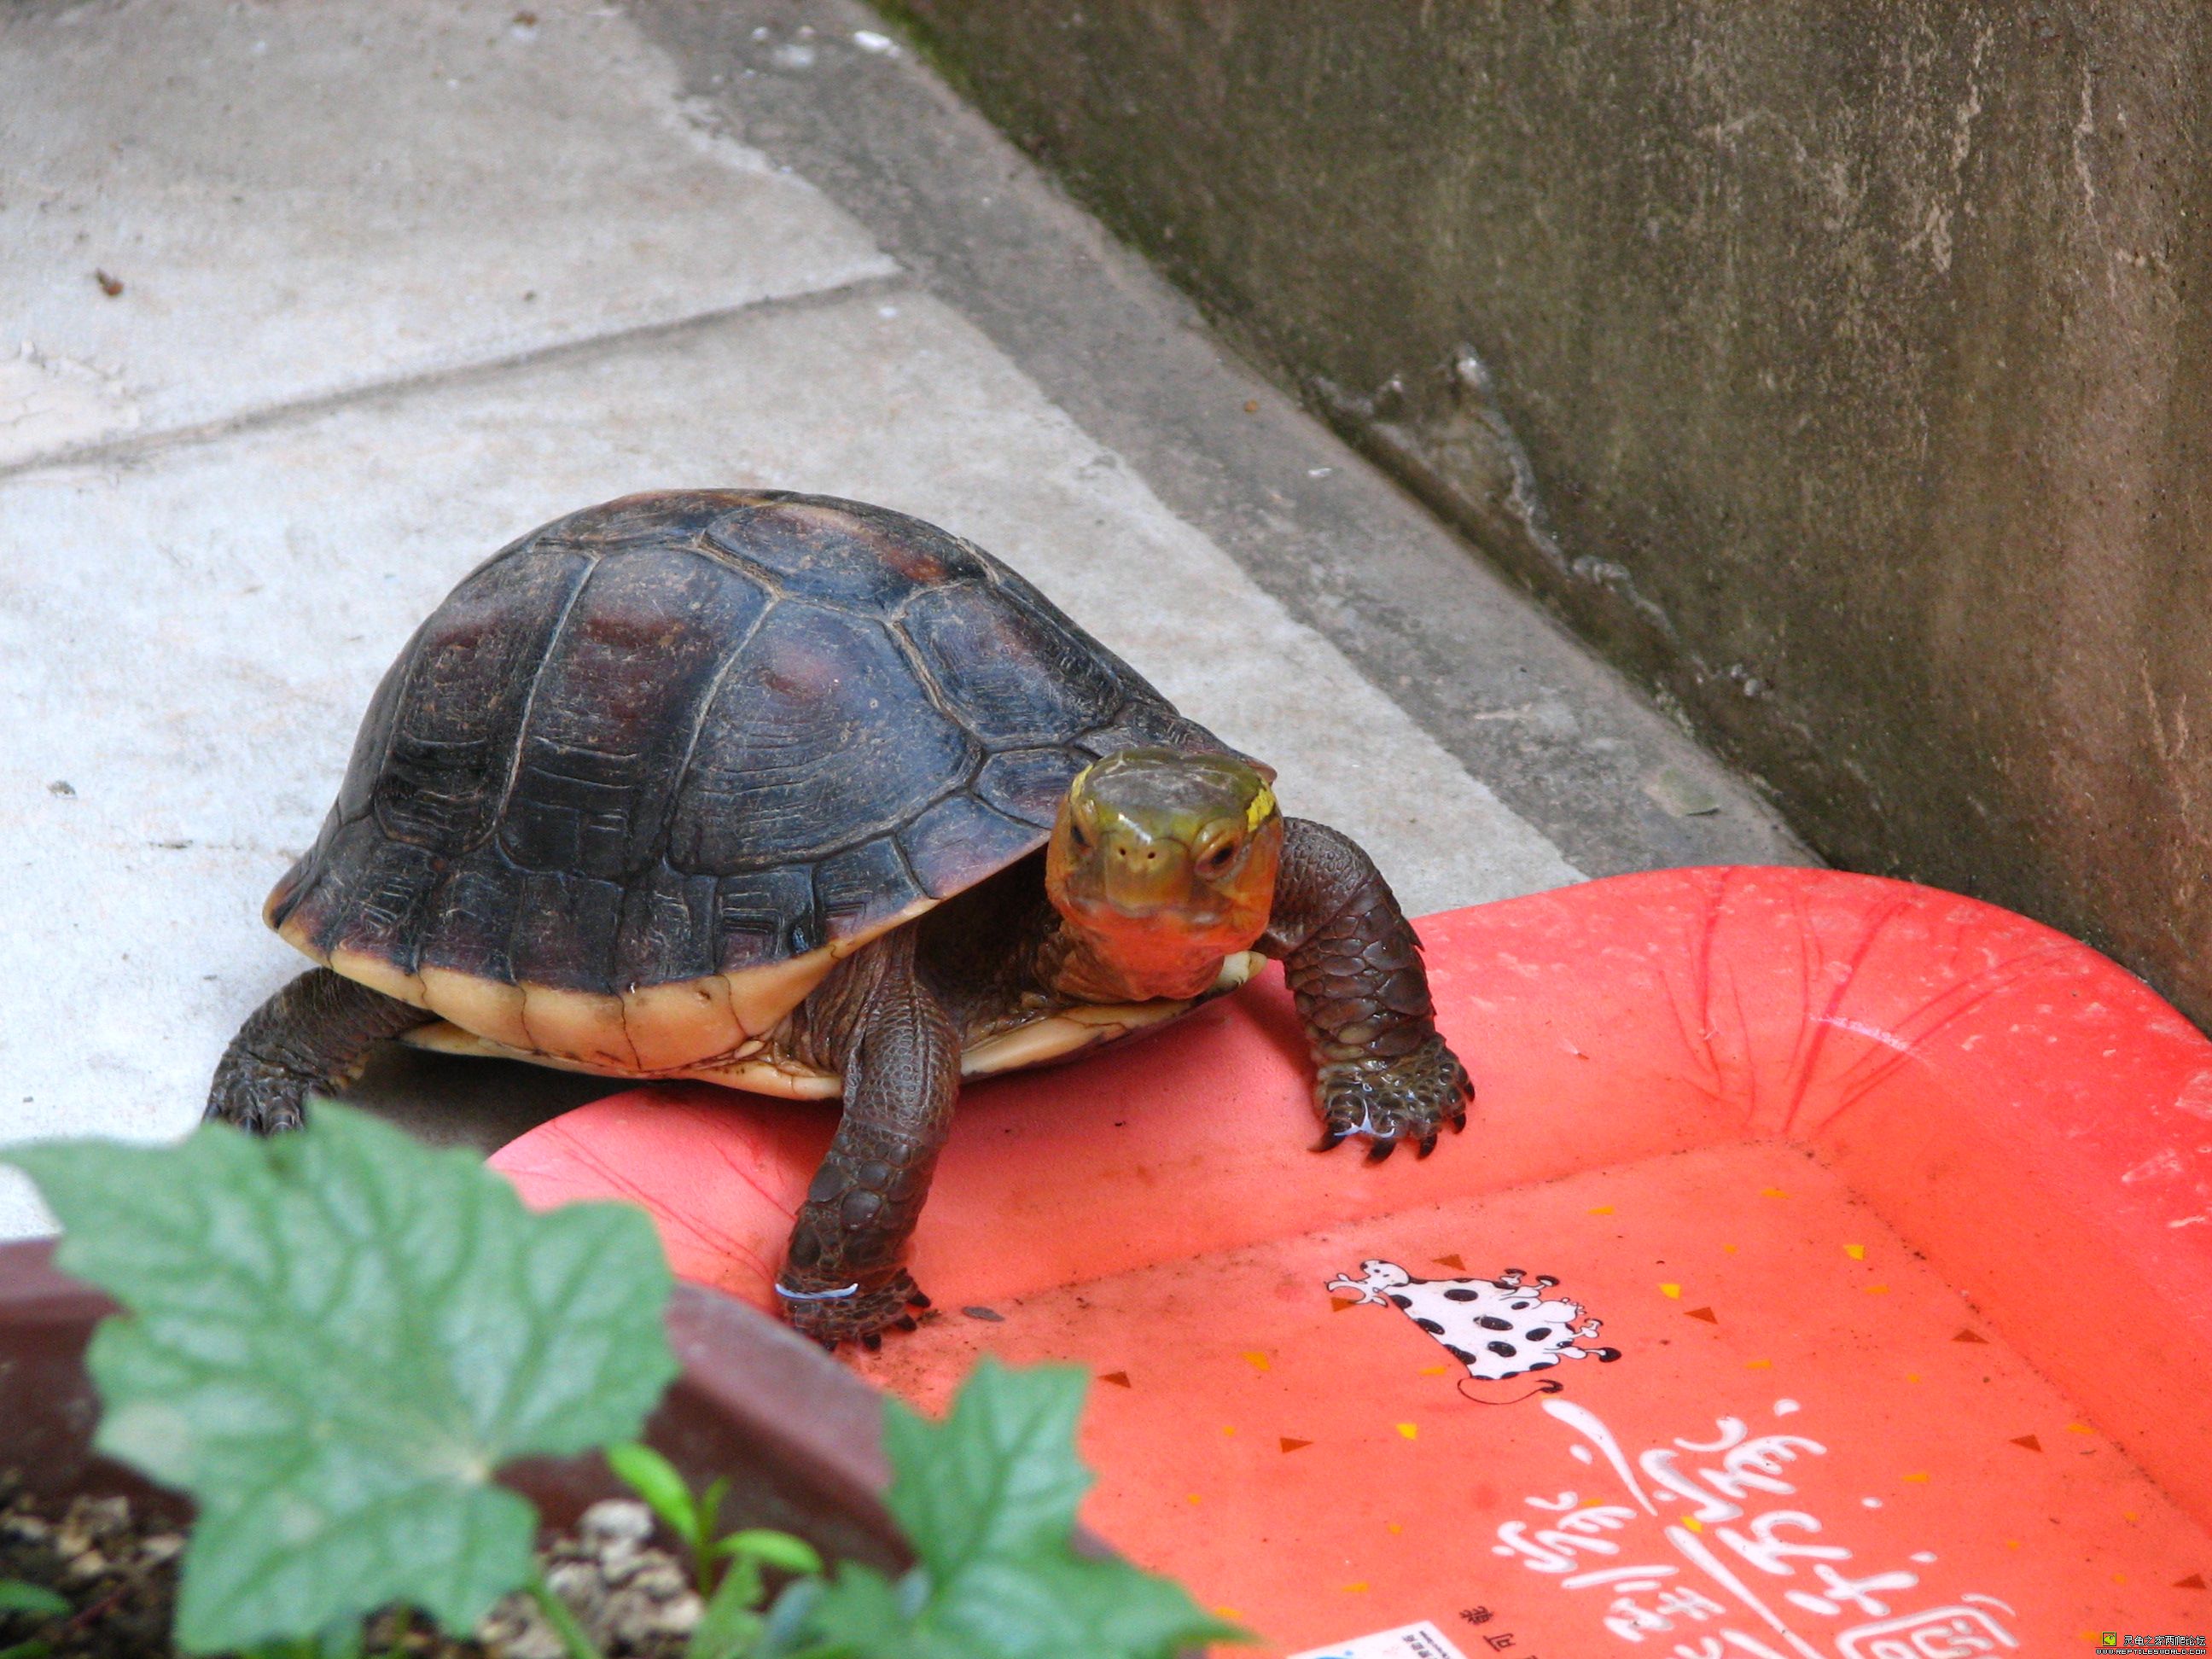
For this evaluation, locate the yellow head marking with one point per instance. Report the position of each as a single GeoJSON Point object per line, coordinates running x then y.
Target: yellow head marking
{"type": "Point", "coordinates": [1262, 809]}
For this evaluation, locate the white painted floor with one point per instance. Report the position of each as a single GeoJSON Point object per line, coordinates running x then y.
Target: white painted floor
{"type": "Point", "coordinates": [398, 282]}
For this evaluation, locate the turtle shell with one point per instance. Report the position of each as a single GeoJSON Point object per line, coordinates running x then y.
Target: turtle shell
{"type": "Point", "coordinates": [647, 773]}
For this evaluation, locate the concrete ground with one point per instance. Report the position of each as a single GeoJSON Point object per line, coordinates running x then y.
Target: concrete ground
{"type": "Point", "coordinates": [312, 306]}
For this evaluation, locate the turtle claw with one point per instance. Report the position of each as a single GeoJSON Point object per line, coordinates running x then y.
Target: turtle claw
{"type": "Point", "coordinates": [256, 1095]}
{"type": "Point", "coordinates": [918, 1300]}
{"type": "Point", "coordinates": [1407, 1099]}
{"type": "Point", "coordinates": [861, 1317]}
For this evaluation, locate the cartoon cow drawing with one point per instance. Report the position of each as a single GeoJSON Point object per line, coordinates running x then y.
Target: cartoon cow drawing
{"type": "Point", "coordinates": [1496, 1328]}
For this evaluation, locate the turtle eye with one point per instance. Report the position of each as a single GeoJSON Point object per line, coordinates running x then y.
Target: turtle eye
{"type": "Point", "coordinates": [1078, 836]}
{"type": "Point", "coordinates": [1217, 858]}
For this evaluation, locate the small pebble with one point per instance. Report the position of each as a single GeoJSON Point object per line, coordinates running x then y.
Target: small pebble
{"type": "Point", "coordinates": [616, 1518]}
{"type": "Point", "coordinates": [660, 1578]}
{"type": "Point", "coordinates": [577, 1582]}
{"type": "Point", "coordinates": [101, 1518]}
{"type": "Point", "coordinates": [679, 1617]}
{"type": "Point", "coordinates": [991, 1314]}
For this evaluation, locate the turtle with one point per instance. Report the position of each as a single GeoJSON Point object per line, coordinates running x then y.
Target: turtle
{"type": "Point", "coordinates": [814, 798]}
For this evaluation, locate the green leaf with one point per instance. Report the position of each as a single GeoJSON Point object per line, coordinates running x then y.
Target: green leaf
{"type": "Point", "coordinates": [998, 1476]}
{"type": "Point", "coordinates": [710, 1508]}
{"type": "Point", "coordinates": [331, 1339]}
{"type": "Point", "coordinates": [859, 1611]}
{"type": "Point", "coordinates": [16, 1596]}
{"type": "Point", "coordinates": [788, 1633]}
{"type": "Point", "coordinates": [657, 1480]}
{"type": "Point", "coordinates": [988, 1499]}
{"type": "Point", "coordinates": [778, 1550]}
{"type": "Point", "coordinates": [729, 1627]}
{"type": "Point", "coordinates": [1041, 1606]}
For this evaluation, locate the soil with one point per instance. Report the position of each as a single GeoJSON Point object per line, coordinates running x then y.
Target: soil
{"type": "Point", "coordinates": [118, 1570]}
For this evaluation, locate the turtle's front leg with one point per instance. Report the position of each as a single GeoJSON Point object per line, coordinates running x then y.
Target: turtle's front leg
{"type": "Point", "coordinates": [1355, 968]}
{"type": "Point", "coordinates": [314, 1032]}
{"type": "Point", "coordinates": [845, 1276]}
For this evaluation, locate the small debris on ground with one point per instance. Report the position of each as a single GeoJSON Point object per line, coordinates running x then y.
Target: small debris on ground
{"type": "Point", "coordinates": [1679, 794]}
{"type": "Point", "coordinates": [61, 787]}
{"type": "Point", "coordinates": [111, 286]}
{"type": "Point", "coordinates": [990, 1315]}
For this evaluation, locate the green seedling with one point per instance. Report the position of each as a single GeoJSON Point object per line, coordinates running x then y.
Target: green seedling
{"type": "Point", "coordinates": [732, 1625]}
{"type": "Point", "coordinates": [729, 1572]}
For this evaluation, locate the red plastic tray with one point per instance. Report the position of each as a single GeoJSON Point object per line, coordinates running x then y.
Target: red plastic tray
{"type": "Point", "coordinates": [1897, 1207]}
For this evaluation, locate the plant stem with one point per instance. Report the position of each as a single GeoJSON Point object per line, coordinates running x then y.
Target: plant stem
{"type": "Point", "coordinates": [557, 1615]}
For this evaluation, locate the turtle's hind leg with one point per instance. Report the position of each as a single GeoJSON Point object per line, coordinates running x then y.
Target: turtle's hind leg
{"type": "Point", "coordinates": [313, 1032]}
{"type": "Point", "coordinates": [844, 1277]}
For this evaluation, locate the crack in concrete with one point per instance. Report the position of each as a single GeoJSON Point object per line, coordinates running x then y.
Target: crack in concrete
{"type": "Point", "coordinates": [138, 444]}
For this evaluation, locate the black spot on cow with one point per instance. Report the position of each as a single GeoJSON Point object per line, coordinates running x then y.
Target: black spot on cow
{"type": "Point", "coordinates": [1540, 1333]}
{"type": "Point", "coordinates": [1430, 1327]}
{"type": "Point", "coordinates": [1459, 1296]}
{"type": "Point", "coordinates": [1606, 1355]}
{"type": "Point", "coordinates": [1492, 1322]}
{"type": "Point", "coordinates": [1519, 1307]}
{"type": "Point", "coordinates": [1502, 1350]}
{"type": "Point", "coordinates": [1401, 1301]}
{"type": "Point", "coordinates": [1459, 1353]}
{"type": "Point", "coordinates": [1538, 1365]}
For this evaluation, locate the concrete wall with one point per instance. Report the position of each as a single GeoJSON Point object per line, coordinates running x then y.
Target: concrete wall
{"type": "Point", "coordinates": [1839, 366]}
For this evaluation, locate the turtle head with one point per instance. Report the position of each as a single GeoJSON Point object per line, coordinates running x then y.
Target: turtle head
{"type": "Point", "coordinates": [1162, 864]}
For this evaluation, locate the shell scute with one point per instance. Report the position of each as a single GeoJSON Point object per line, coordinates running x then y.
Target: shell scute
{"type": "Point", "coordinates": [475, 924]}
{"type": "Point", "coordinates": [843, 552]}
{"type": "Point", "coordinates": [815, 742]}
{"type": "Point", "coordinates": [433, 771]}
{"type": "Point", "coordinates": [617, 702]}
{"type": "Point", "coordinates": [1012, 675]}
{"type": "Point", "coordinates": [564, 931]}
{"type": "Point", "coordinates": [958, 833]}
{"type": "Point", "coordinates": [1026, 784]}
{"type": "Point", "coordinates": [866, 886]}
{"type": "Point", "coordinates": [667, 929]}
{"type": "Point", "coordinates": [761, 915]}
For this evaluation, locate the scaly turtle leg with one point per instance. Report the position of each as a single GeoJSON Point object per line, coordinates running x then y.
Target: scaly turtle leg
{"type": "Point", "coordinates": [898, 1051]}
{"type": "Point", "coordinates": [1355, 969]}
{"type": "Point", "coordinates": [314, 1032]}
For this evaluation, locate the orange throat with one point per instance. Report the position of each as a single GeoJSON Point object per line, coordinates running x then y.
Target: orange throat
{"type": "Point", "coordinates": [1141, 960]}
